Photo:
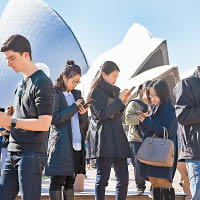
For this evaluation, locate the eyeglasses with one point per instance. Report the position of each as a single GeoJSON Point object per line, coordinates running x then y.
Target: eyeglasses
{"type": "Point", "coordinates": [75, 82]}
{"type": "Point", "coordinates": [152, 96]}
{"type": "Point", "coordinates": [21, 86]}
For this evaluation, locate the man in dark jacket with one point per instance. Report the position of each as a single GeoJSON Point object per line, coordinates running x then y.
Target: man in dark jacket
{"type": "Point", "coordinates": [187, 93]}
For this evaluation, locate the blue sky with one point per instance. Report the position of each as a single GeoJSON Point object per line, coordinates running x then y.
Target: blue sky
{"type": "Point", "coordinates": [99, 25]}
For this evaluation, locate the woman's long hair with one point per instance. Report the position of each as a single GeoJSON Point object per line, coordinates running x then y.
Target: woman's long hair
{"type": "Point", "coordinates": [161, 88]}
{"type": "Point", "coordinates": [70, 70]}
{"type": "Point", "coordinates": [107, 67]}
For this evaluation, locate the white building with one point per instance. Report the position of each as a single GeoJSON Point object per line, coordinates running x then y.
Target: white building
{"type": "Point", "coordinates": [139, 51]}
{"type": "Point", "coordinates": [52, 41]}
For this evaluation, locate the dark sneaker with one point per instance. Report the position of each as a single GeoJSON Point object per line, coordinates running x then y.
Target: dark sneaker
{"type": "Point", "coordinates": [140, 191]}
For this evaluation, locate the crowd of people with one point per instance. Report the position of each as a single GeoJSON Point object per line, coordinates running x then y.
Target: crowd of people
{"type": "Point", "coordinates": [49, 128]}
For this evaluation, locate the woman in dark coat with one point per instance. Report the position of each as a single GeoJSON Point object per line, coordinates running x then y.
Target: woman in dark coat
{"type": "Point", "coordinates": [107, 141]}
{"type": "Point", "coordinates": [162, 115]}
{"type": "Point", "coordinates": [66, 152]}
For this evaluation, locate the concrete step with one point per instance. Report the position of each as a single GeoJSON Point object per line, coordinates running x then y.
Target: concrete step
{"type": "Point", "coordinates": [110, 197]}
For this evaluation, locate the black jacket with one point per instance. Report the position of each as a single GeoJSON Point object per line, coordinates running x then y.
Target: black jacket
{"type": "Point", "coordinates": [187, 93]}
{"type": "Point", "coordinates": [60, 150]}
{"type": "Point", "coordinates": [106, 137]}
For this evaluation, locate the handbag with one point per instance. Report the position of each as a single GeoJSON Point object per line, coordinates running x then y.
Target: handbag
{"type": "Point", "coordinates": [157, 151]}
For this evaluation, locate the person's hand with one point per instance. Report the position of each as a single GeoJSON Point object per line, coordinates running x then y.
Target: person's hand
{"type": "Point", "coordinates": [123, 96]}
{"type": "Point", "coordinates": [83, 110]}
{"type": "Point", "coordinates": [79, 102]}
{"type": "Point", "coordinates": [140, 118]}
{"type": "Point", "coordinates": [5, 121]}
{"type": "Point", "coordinates": [126, 98]}
{"type": "Point", "coordinates": [2, 133]}
{"type": "Point", "coordinates": [146, 114]}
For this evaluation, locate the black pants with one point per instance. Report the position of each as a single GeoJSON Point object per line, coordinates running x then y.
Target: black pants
{"type": "Point", "coordinates": [104, 165]}
{"type": "Point", "coordinates": [67, 181]}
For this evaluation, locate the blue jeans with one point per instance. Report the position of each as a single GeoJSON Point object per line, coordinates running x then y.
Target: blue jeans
{"type": "Point", "coordinates": [103, 173]}
{"type": "Point", "coordinates": [193, 168]}
{"type": "Point", "coordinates": [22, 171]}
{"type": "Point", "coordinates": [140, 182]}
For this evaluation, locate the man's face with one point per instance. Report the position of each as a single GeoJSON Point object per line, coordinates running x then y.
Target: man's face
{"type": "Point", "coordinates": [15, 60]}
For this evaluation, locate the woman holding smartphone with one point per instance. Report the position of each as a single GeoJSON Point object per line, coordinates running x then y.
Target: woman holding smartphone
{"type": "Point", "coordinates": [66, 152]}
{"type": "Point", "coordinates": [162, 116]}
{"type": "Point", "coordinates": [107, 141]}
{"type": "Point", "coordinates": [137, 105]}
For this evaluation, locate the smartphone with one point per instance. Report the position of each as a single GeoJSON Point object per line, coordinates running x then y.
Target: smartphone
{"type": "Point", "coordinates": [139, 112]}
{"type": "Point", "coordinates": [90, 102]}
{"type": "Point", "coordinates": [131, 90]}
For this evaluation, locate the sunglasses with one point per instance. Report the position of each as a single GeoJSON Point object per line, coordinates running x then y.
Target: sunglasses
{"type": "Point", "coordinates": [21, 86]}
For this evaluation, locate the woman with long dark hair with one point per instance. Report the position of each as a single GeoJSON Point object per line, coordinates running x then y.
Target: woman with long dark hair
{"type": "Point", "coordinates": [66, 152]}
{"type": "Point", "coordinates": [107, 141]}
{"type": "Point", "coordinates": [162, 117]}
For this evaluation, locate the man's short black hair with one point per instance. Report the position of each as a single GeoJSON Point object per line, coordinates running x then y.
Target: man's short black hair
{"type": "Point", "coordinates": [17, 43]}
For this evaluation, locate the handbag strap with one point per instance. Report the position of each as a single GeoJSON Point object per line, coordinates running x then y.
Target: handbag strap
{"type": "Point", "coordinates": [165, 132]}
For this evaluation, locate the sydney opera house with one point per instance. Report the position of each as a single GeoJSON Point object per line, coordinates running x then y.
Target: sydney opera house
{"type": "Point", "coordinates": [140, 56]}
{"type": "Point", "coordinates": [51, 39]}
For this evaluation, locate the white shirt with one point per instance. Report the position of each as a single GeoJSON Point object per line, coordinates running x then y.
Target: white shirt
{"type": "Point", "coordinates": [76, 133]}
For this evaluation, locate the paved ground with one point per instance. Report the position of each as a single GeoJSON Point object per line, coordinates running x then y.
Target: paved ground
{"type": "Point", "coordinates": [110, 190]}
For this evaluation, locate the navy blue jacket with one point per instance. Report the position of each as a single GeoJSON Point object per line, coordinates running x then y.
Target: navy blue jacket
{"type": "Point", "coordinates": [106, 137]}
{"type": "Point", "coordinates": [60, 150]}
{"type": "Point", "coordinates": [163, 116]}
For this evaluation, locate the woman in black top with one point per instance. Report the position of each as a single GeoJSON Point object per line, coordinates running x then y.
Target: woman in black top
{"type": "Point", "coordinates": [107, 141]}
{"type": "Point", "coordinates": [66, 151]}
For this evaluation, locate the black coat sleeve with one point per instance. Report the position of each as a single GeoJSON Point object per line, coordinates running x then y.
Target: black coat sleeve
{"type": "Point", "coordinates": [186, 113]}
{"type": "Point", "coordinates": [101, 110]}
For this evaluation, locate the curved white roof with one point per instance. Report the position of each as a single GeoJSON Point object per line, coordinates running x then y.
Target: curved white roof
{"type": "Point", "coordinates": [147, 75]}
{"type": "Point", "coordinates": [130, 55]}
{"type": "Point", "coordinates": [51, 39]}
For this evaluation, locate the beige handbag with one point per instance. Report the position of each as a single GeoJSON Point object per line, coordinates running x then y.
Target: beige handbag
{"type": "Point", "coordinates": [157, 151]}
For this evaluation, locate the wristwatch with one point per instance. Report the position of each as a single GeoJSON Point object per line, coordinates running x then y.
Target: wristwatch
{"type": "Point", "coordinates": [14, 121]}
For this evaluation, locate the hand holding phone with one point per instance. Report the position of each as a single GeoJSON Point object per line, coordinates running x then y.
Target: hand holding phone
{"type": "Point", "coordinates": [139, 112]}
{"type": "Point", "coordinates": [89, 103]}
{"type": "Point", "coordinates": [131, 90]}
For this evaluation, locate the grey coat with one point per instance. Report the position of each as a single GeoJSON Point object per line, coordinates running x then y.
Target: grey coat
{"type": "Point", "coordinates": [60, 151]}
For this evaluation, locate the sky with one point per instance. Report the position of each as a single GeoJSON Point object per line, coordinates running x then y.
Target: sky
{"type": "Point", "coordinates": [99, 25]}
